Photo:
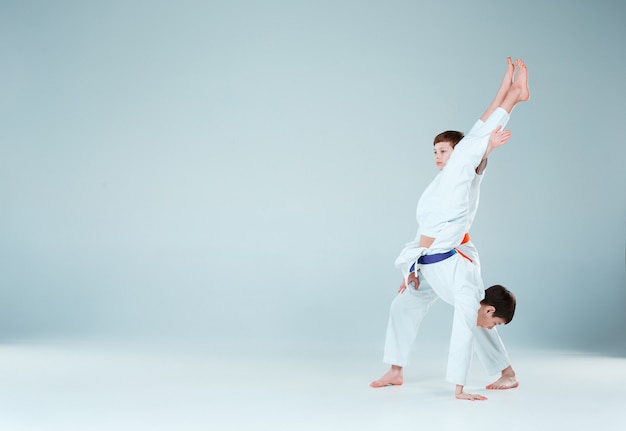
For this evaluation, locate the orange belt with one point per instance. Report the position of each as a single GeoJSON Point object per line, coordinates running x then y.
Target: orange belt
{"type": "Point", "coordinates": [466, 239]}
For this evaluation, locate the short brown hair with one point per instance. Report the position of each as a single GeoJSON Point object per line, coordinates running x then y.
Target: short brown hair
{"type": "Point", "coordinates": [502, 300]}
{"type": "Point", "coordinates": [451, 136]}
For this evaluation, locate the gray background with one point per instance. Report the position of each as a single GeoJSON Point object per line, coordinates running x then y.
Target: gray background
{"type": "Point", "coordinates": [243, 174]}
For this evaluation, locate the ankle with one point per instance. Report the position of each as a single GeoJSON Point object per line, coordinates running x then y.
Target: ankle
{"type": "Point", "coordinates": [508, 372]}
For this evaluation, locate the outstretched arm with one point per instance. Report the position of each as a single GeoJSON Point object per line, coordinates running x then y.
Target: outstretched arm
{"type": "Point", "coordinates": [498, 138]}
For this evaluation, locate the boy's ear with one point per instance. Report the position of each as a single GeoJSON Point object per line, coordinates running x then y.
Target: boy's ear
{"type": "Point", "coordinates": [490, 309]}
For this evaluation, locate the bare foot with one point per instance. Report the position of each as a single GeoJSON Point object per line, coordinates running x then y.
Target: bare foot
{"type": "Point", "coordinates": [521, 80]}
{"type": "Point", "coordinates": [503, 91]}
{"type": "Point", "coordinates": [519, 89]}
{"type": "Point", "coordinates": [507, 80]}
{"type": "Point", "coordinates": [504, 382]}
{"type": "Point", "coordinates": [391, 378]}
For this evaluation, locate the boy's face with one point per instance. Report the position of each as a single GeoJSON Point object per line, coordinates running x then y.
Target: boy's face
{"type": "Point", "coordinates": [486, 319]}
{"type": "Point", "coordinates": [443, 150]}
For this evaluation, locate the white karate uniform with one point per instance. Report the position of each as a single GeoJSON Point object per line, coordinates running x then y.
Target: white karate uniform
{"type": "Point", "coordinates": [445, 212]}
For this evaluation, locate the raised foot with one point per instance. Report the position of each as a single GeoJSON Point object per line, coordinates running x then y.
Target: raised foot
{"type": "Point", "coordinates": [520, 83]}
{"type": "Point", "coordinates": [507, 81]}
{"type": "Point", "coordinates": [504, 382]}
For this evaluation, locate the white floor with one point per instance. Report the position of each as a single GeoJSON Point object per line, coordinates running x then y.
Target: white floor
{"type": "Point", "coordinates": [68, 387]}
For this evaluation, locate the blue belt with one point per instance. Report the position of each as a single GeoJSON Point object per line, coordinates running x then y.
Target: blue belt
{"type": "Point", "coordinates": [433, 258]}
